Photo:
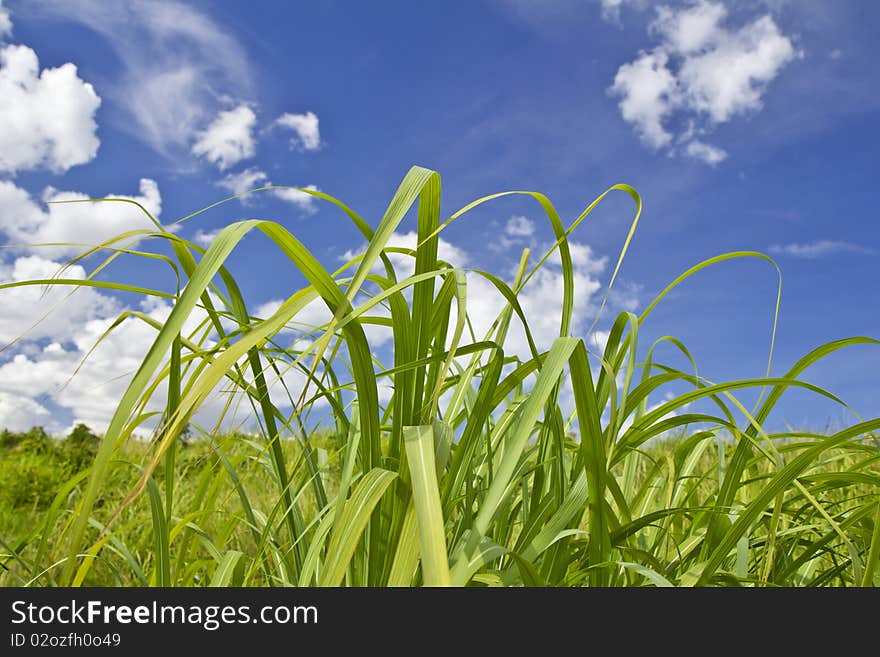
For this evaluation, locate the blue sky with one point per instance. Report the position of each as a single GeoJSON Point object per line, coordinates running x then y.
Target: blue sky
{"type": "Point", "coordinates": [744, 125]}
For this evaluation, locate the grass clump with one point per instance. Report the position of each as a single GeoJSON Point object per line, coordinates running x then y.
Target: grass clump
{"type": "Point", "coordinates": [476, 471]}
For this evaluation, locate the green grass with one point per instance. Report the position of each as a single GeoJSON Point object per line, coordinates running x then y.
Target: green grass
{"type": "Point", "coordinates": [475, 472]}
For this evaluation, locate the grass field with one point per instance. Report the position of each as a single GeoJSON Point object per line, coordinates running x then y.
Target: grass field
{"type": "Point", "coordinates": [570, 467]}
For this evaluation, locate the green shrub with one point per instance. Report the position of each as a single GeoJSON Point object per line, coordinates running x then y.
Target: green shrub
{"type": "Point", "coordinates": [80, 447]}
{"type": "Point", "coordinates": [31, 479]}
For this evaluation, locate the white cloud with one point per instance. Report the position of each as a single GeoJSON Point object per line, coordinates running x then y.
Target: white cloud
{"type": "Point", "coordinates": [689, 30]}
{"type": "Point", "coordinates": [92, 394]}
{"type": "Point", "coordinates": [701, 71]}
{"type": "Point", "coordinates": [304, 201]}
{"type": "Point", "coordinates": [611, 8]}
{"type": "Point", "coordinates": [820, 248]}
{"type": "Point", "coordinates": [205, 238]}
{"type": "Point", "coordinates": [648, 93]}
{"type": "Point", "coordinates": [519, 226]}
{"type": "Point", "coordinates": [707, 153]}
{"type": "Point", "coordinates": [56, 313]}
{"type": "Point", "coordinates": [540, 299]}
{"type": "Point", "coordinates": [305, 126]}
{"type": "Point", "coordinates": [18, 413]}
{"type": "Point", "coordinates": [89, 390]}
{"type": "Point", "coordinates": [518, 230]}
{"type": "Point", "coordinates": [597, 341]}
{"type": "Point", "coordinates": [24, 221]}
{"type": "Point", "coordinates": [730, 78]}
{"type": "Point", "coordinates": [625, 296]}
{"type": "Point", "coordinates": [582, 258]}
{"type": "Point", "coordinates": [228, 139]}
{"type": "Point", "coordinates": [48, 116]}
{"type": "Point", "coordinates": [386, 390]}
{"type": "Point", "coordinates": [5, 22]}
{"type": "Point", "coordinates": [178, 66]}
{"type": "Point", "coordinates": [243, 181]}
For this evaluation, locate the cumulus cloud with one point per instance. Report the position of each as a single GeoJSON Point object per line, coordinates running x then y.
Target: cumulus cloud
{"type": "Point", "coordinates": [305, 127]}
{"type": "Point", "coordinates": [541, 301]}
{"type": "Point", "coordinates": [648, 92]}
{"type": "Point", "coordinates": [92, 394]}
{"type": "Point", "coordinates": [731, 77]}
{"type": "Point", "coordinates": [819, 249]}
{"type": "Point", "coordinates": [48, 116]}
{"type": "Point", "coordinates": [178, 65]}
{"type": "Point", "coordinates": [228, 139]}
{"type": "Point", "coordinates": [47, 311]}
{"type": "Point", "coordinates": [88, 388]}
{"type": "Point", "coordinates": [26, 222]}
{"type": "Point", "coordinates": [19, 413]}
{"type": "Point", "coordinates": [701, 71]}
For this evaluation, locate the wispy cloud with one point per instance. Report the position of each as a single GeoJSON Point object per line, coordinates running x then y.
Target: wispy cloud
{"type": "Point", "coordinates": [204, 238]}
{"type": "Point", "coordinates": [302, 200]}
{"type": "Point", "coordinates": [519, 226]}
{"type": "Point", "coordinates": [704, 152]}
{"type": "Point", "coordinates": [820, 248]}
{"type": "Point", "coordinates": [611, 8]}
{"type": "Point", "coordinates": [243, 181]}
{"type": "Point", "coordinates": [5, 21]}
{"type": "Point", "coordinates": [179, 66]}
{"type": "Point", "coordinates": [251, 178]}
{"type": "Point", "coordinates": [518, 230]}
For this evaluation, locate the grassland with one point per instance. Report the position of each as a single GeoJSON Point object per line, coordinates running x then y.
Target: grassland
{"type": "Point", "coordinates": [476, 471]}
